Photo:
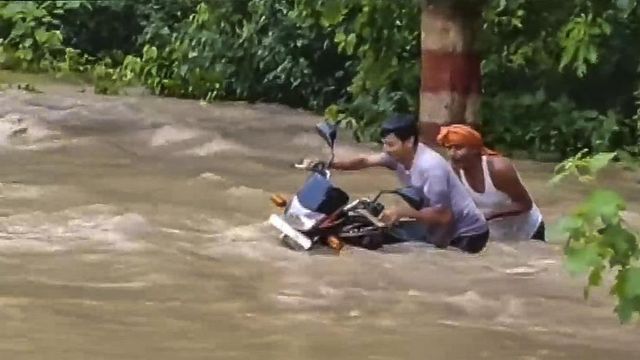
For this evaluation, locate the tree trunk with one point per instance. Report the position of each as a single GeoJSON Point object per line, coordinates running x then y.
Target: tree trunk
{"type": "Point", "coordinates": [450, 72]}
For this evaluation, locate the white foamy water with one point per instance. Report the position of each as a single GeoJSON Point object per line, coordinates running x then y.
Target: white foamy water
{"type": "Point", "coordinates": [92, 227]}
{"type": "Point", "coordinates": [216, 146]}
{"type": "Point", "coordinates": [210, 176]}
{"type": "Point", "coordinates": [18, 191]}
{"type": "Point", "coordinates": [246, 192]}
{"type": "Point", "coordinates": [22, 130]}
{"type": "Point", "coordinates": [169, 134]}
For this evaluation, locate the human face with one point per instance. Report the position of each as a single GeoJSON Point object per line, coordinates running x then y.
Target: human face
{"type": "Point", "coordinates": [397, 148]}
{"type": "Point", "coordinates": [461, 155]}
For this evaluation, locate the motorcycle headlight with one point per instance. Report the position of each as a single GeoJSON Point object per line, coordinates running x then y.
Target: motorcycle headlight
{"type": "Point", "coordinates": [299, 222]}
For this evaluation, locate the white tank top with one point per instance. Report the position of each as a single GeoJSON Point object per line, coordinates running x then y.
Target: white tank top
{"type": "Point", "coordinates": [517, 227]}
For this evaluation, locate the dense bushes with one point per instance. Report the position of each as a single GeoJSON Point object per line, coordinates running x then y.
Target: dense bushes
{"type": "Point", "coordinates": [556, 77]}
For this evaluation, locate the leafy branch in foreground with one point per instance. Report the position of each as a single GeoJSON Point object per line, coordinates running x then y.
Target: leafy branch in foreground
{"type": "Point", "coordinates": [598, 239]}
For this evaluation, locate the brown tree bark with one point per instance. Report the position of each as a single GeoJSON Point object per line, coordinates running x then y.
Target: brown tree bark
{"type": "Point", "coordinates": [450, 72]}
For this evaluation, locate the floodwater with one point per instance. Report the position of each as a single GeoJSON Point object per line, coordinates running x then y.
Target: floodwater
{"type": "Point", "coordinates": [135, 228]}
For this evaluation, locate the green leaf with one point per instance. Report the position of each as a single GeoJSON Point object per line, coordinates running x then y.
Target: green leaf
{"type": "Point", "coordinates": [631, 284]}
{"type": "Point", "coordinates": [625, 309]}
{"type": "Point", "coordinates": [570, 223]}
{"type": "Point", "coordinates": [350, 43]}
{"type": "Point", "coordinates": [14, 8]}
{"type": "Point", "coordinates": [606, 204]}
{"type": "Point", "coordinates": [599, 161]}
{"type": "Point", "coordinates": [74, 4]}
{"type": "Point", "coordinates": [332, 112]}
{"type": "Point", "coordinates": [26, 54]}
{"type": "Point", "coordinates": [622, 243]}
{"type": "Point", "coordinates": [41, 35]}
{"type": "Point", "coordinates": [595, 277]}
{"type": "Point", "coordinates": [581, 259]}
{"type": "Point", "coordinates": [54, 39]}
{"type": "Point", "coordinates": [149, 53]}
{"type": "Point", "coordinates": [332, 12]}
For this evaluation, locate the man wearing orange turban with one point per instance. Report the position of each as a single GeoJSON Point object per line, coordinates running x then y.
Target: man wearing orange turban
{"type": "Point", "coordinates": [494, 184]}
{"type": "Point", "coordinates": [462, 135]}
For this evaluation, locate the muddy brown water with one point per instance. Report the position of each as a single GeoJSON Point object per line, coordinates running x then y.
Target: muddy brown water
{"type": "Point", "coordinates": [135, 228]}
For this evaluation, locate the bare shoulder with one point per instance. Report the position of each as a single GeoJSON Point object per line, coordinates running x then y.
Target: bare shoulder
{"type": "Point", "coordinates": [502, 171]}
{"type": "Point", "coordinates": [500, 165]}
{"type": "Point", "coordinates": [505, 178]}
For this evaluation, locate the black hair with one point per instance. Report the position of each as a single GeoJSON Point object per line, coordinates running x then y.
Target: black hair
{"type": "Point", "coordinates": [403, 126]}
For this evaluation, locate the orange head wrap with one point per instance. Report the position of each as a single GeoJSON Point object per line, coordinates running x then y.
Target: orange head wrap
{"type": "Point", "coordinates": [462, 135]}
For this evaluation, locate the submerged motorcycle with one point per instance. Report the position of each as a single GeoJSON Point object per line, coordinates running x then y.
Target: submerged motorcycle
{"type": "Point", "coordinates": [320, 213]}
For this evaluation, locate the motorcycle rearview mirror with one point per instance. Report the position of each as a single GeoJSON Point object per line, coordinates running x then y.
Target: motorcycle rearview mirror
{"type": "Point", "coordinates": [412, 196]}
{"type": "Point", "coordinates": [328, 132]}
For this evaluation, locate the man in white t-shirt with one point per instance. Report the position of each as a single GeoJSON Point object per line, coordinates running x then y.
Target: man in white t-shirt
{"type": "Point", "coordinates": [450, 217]}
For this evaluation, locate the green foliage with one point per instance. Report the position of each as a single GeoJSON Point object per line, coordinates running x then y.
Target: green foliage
{"type": "Point", "coordinates": [31, 39]}
{"type": "Point", "coordinates": [535, 122]}
{"type": "Point", "coordinates": [557, 76]}
{"type": "Point", "coordinates": [80, 36]}
{"type": "Point", "coordinates": [577, 40]}
{"type": "Point", "coordinates": [598, 240]}
{"type": "Point", "coordinates": [253, 50]}
{"type": "Point", "coordinates": [103, 29]}
{"type": "Point", "coordinates": [560, 76]}
{"type": "Point", "coordinates": [386, 50]}
{"type": "Point", "coordinates": [583, 167]}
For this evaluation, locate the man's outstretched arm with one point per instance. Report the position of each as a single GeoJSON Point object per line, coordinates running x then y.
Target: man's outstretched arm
{"type": "Point", "coordinates": [362, 162]}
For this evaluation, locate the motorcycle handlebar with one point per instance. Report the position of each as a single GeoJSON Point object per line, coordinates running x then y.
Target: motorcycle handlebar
{"type": "Point", "coordinates": [311, 165]}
